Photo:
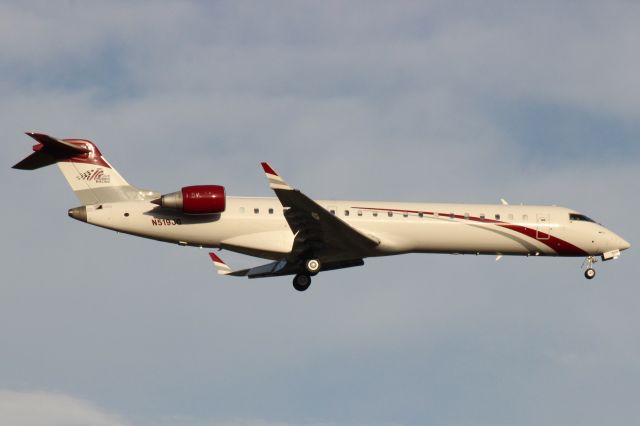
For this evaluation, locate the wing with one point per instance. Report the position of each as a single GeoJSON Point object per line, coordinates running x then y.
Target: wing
{"type": "Point", "coordinates": [276, 269]}
{"type": "Point", "coordinates": [318, 232]}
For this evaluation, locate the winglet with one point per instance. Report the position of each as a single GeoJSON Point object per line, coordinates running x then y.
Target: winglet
{"type": "Point", "coordinates": [275, 181]}
{"type": "Point", "coordinates": [223, 268]}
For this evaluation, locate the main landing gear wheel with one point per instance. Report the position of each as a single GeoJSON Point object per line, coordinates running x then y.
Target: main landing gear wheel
{"type": "Point", "coordinates": [313, 266]}
{"type": "Point", "coordinates": [301, 282]}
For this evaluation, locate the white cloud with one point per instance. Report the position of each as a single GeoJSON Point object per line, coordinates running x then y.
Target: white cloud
{"type": "Point", "coordinates": [51, 409]}
{"type": "Point", "coordinates": [39, 408]}
{"type": "Point", "coordinates": [347, 100]}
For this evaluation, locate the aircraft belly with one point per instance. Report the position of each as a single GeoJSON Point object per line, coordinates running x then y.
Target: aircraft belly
{"type": "Point", "coordinates": [277, 242]}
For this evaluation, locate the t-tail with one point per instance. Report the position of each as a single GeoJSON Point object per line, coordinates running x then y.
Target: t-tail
{"type": "Point", "coordinates": [89, 174]}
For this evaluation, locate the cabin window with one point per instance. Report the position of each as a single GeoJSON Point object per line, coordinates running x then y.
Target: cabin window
{"type": "Point", "coordinates": [359, 212]}
{"type": "Point", "coordinates": [405, 214]}
{"type": "Point", "coordinates": [482, 216]}
{"type": "Point", "coordinates": [346, 212]}
{"type": "Point", "coordinates": [375, 214]}
{"type": "Point", "coordinates": [420, 214]}
{"type": "Point", "coordinates": [497, 216]}
{"type": "Point", "coordinates": [390, 214]}
{"type": "Point", "coordinates": [452, 216]}
{"type": "Point", "coordinates": [270, 210]}
{"type": "Point", "coordinates": [256, 210]}
{"type": "Point", "coordinates": [580, 217]}
{"type": "Point", "coordinates": [333, 212]}
{"type": "Point", "coordinates": [466, 216]}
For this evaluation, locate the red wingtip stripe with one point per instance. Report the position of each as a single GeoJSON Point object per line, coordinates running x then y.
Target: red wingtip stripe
{"type": "Point", "coordinates": [215, 258]}
{"type": "Point", "coordinates": [267, 169]}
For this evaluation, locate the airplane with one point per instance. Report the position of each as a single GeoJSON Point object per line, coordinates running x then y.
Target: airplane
{"type": "Point", "coordinates": [302, 236]}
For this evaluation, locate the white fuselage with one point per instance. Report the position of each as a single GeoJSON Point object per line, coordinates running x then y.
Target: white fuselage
{"type": "Point", "coordinates": [256, 226]}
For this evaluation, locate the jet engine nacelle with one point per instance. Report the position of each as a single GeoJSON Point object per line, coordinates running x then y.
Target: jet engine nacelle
{"type": "Point", "coordinates": [198, 199]}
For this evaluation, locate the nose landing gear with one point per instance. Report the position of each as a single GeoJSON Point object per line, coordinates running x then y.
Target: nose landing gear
{"type": "Point", "coordinates": [590, 273]}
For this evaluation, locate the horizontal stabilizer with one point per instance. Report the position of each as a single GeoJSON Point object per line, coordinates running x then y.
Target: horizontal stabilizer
{"type": "Point", "coordinates": [49, 151]}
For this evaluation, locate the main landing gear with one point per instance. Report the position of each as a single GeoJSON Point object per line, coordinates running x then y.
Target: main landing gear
{"type": "Point", "coordinates": [313, 266]}
{"type": "Point", "coordinates": [590, 273]}
{"type": "Point", "coordinates": [301, 282]}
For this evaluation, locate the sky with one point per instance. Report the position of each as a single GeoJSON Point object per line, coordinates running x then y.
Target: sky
{"type": "Point", "coordinates": [447, 101]}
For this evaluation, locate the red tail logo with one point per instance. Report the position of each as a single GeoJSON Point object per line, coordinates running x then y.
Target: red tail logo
{"type": "Point", "coordinates": [96, 175]}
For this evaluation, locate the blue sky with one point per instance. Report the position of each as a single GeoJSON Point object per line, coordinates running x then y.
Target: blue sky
{"type": "Point", "coordinates": [429, 101]}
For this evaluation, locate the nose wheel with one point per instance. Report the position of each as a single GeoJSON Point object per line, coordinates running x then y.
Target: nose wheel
{"type": "Point", "coordinates": [590, 273]}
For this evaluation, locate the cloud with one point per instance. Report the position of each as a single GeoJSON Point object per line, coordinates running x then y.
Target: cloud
{"type": "Point", "coordinates": [433, 101]}
{"type": "Point", "coordinates": [40, 408]}
{"type": "Point", "coordinates": [51, 409]}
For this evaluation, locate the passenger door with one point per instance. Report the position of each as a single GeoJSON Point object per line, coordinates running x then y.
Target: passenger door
{"type": "Point", "coordinates": [543, 227]}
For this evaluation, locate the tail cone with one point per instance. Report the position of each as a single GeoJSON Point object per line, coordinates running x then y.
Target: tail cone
{"type": "Point", "coordinates": [78, 213]}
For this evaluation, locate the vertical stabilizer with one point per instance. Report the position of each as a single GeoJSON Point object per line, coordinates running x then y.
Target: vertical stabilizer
{"type": "Point", "coordinates": [89, 174]}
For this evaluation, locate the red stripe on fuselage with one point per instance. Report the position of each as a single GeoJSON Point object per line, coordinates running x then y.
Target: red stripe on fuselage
{"type": "Point", "coordinates": [562, 247]}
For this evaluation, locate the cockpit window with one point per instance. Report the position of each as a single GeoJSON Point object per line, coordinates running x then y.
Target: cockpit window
{"type": "Point", "coordinates": [580, 217]}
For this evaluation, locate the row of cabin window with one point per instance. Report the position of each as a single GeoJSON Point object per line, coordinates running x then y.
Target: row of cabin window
{"type": "Point", "coordinates": [421, 214]}
{"type": "Point", "coordinates": [404, 214]}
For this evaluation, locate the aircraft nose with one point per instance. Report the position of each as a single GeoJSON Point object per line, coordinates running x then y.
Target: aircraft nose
{"type": "Point", "coordinates": [624, 244]}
